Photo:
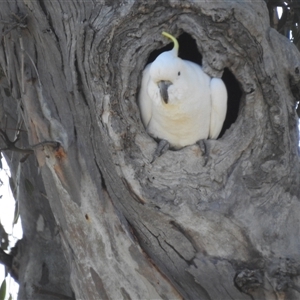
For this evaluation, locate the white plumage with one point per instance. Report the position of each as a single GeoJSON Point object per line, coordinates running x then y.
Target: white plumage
{"type": "Point", "coordinates": [180, 103]}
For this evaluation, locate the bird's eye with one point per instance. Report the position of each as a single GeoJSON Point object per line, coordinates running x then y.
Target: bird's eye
{"type": "Point", "coordinates": [178, 73]}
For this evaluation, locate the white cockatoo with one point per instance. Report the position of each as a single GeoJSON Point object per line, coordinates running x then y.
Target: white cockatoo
{"type": "Point", "coordinates": [179, 103]}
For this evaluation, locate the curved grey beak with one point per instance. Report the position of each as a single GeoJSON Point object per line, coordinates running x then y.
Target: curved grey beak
{"type": "Point", "coordinates": [163, 86]}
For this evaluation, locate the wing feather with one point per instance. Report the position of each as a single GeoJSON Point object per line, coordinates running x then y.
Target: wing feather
{"type": "Point", "coordinates": [144, 100]}
{"type": "Point", "coordinates": [218, 106]}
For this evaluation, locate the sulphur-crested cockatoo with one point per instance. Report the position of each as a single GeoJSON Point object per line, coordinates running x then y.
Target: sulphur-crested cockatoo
{"type": "Point", "coordinates": [179, 103]}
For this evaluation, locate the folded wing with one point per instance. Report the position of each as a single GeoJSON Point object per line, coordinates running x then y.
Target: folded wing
{"type": "Point", "coordinates": [218, 106]}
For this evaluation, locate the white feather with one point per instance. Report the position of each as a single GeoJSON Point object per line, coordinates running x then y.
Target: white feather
{"type": "Point", "coordinates": [196, 105]}
{"type": "Point", "coordinates": [218, 106]}
{"type": "Point", "coordinates": [145, 102]}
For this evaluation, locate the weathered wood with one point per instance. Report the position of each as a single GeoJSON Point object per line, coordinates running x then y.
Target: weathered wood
{"type": "Point", "coordinates": [175, 228]}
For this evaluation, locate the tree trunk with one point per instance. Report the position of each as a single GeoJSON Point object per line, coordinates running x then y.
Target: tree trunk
{"type": "Point", "coordinates": [100, 221]}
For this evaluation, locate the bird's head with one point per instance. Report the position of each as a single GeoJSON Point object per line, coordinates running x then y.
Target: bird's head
{"type": "Point", "coordinates": [166, 68]}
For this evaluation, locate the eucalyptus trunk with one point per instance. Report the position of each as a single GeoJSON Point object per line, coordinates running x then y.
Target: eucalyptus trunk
{"type": "Point", "coordinates": [102, 222]}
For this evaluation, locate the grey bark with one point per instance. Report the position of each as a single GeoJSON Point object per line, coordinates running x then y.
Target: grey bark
{"type": "Point", "coordinates": [99, 219]}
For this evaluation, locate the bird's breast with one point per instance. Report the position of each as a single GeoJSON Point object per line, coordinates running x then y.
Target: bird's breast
{"type": "Point", "coordinates": [181, 126]}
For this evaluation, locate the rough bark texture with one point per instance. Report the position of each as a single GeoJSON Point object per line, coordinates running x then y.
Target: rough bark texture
{"type": "Point", "coordinates": [99, 220]}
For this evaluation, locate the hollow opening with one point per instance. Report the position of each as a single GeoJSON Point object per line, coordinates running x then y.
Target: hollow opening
{"type": "Point", "coordinates": [188, 50]}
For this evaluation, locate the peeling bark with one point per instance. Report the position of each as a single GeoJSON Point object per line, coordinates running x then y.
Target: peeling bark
{"type": "Point", "coordinates": [105, 223]}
